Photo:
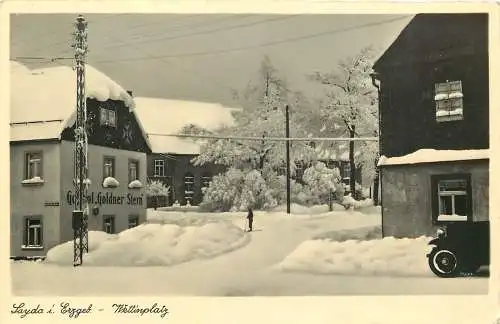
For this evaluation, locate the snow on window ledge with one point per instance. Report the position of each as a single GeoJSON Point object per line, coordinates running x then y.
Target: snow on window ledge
{"type": "Point", "coordinates": [451, 218]}
{"type": "Point", "coordinates": [110, 182]}
{"type": "Point", "coordinates": [31, 247]}
{"type": "Point", "coordinates": [456, 95]}
{"type": "Point", "coordinates": [34, 181]}
{"type": "Point", "coordinates": [136, 184]}
{"type": "Point", "coordinates": [86, 181]}
{"type": "Point", "coordinates": [441, 96]}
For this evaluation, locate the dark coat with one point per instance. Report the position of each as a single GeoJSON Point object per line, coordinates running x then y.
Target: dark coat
{"type": "Point", "coordinates": [250, 214]}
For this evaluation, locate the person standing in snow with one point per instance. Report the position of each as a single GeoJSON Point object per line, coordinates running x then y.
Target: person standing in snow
{"type": "Point", "coordinates": [250, 219]}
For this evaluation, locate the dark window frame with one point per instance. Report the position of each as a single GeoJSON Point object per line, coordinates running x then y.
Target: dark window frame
{"type": "Point", "coordinates": [189, 194]}
{"type": "Point", "coordinates": [26, 219]}
{"type": "Point", "coordinates": [104, 116]}
{"type": "Point", "coordinates": [133, 218]}
{"type": "Point", "coordinates": [27, 155]}
{"type": "Point", "coordinates": [435, 179]}
{"type": "Point", "coordinates": [137, 165]}
{"type": "Point", "coordinates": [113, 169]}
{"type": "Point", "coordinates": [450, 103]}
{"type": "Point", "coordinates": [113, 223]}
{"type": "Point", "coordinates": [163, 167]}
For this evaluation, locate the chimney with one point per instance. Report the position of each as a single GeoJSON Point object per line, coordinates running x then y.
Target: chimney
{"type": "Point", "coordinates": [130, 93]}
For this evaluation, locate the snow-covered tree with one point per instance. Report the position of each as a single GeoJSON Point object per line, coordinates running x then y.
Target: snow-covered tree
{"type": "Point", "coordinates": [323, 182]}
{"type": "Point", "coordinates": [351, 106]}
{"type": "Point", "coordinates": [262, 115]}
{"type": "Point", "coordinates": [237, 190]}
{"type": "Point", "coordinates": [155, 189]}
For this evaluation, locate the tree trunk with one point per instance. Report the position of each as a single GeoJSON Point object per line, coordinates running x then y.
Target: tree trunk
{"type": "Point", "coordinates": [376, 182]}
{"type": "Point", "coordinates": [352, 164]}
{"type": "Point", "coordinates": [156, 202]}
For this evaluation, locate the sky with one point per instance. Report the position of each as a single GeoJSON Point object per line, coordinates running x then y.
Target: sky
{"type": "Point", "coordinates": [203, 57]}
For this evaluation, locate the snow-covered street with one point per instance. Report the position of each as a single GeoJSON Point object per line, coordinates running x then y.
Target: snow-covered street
{"type": "Point", "coordinates": [311, 252]}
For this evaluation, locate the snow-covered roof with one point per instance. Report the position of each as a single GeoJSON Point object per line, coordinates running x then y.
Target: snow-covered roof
{"type": "Point", "coordinates": [168, 116]}
{"type": "Point", "coordinates": [435, 156]}
{"type": "Point", "coordinates": [43, 101]}
{"type": "Point", "coordinates": [339, 153]}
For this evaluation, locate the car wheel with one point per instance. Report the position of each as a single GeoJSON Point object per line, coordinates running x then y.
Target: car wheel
{"type": "Point", "coordinates": [444, 263]}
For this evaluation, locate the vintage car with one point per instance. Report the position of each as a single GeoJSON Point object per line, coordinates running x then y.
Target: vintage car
{"type": "Point", "coordinates": [460, 248]}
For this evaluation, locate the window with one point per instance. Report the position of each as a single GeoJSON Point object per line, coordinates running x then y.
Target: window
{"type": "Point", "coordinates": [346, 171]}
{"type": "Point", "coordinates": [188, 187]}
{"type": "Point", "coordinates": [109, 167]}
{"type": "Point", "coordinates": [133, 170]}
{"type": "Point", "coordinates": [159, 168]}
{"type": "Point", "coordinates": [452, 196]}
{"type": "Point", "coordinates": [109, 224]}
{"type": "Point", "coordinates": [299, 170]}
{"type": "Point", "coordinates": [331, 164]}
{"type": "Point", "coordinates": [449, 101]}
{"type": "Point", "coordinates": [33, 232]}
{"type": "Point", "coordinates": [133, 221]}
{"type": "Point", "coordinates": [33, 165]}
{"type": "Point", "coordinates": [108, 116]}
{"type": "Point", "coordinates": [205, 180]}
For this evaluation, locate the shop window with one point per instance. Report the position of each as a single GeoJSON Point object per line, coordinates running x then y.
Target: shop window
{"type": "Point", "coordinates": [449, 101]}
{"type": "Point", "coordinates": [133, 221]}
{"type": "Point", "coordinates": [159, 168]}
{"type": "Point", "coordinates": [108, 116]}
{"type": "Point", "coordinates": [451, 198]}
{"type": "Point", "coordinates": [33, 166]}
{"type": "Point", "coordinates": [109, 224]}
{"type": "Point", "coordinates": [33, 232]}
{"type": "Point", "coordinates": [133, 170]}
{"type": "Point", "coordinates": [109, 167]}
{"type": "Point", "coordinates": [188, 187]}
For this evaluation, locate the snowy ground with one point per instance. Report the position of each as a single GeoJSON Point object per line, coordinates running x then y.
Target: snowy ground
{"type": "Point", "coordinates": [311, 252]}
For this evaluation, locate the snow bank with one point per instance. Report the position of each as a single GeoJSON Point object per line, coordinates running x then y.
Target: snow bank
{"type": "Point", "coordinates": [388, 256]}
{"type": "Point", "coordinates": [155, 245]}
{"type": "Point", "coordinates": [431, 155]}
{"type": "Point", "coordinates": [303, 210]}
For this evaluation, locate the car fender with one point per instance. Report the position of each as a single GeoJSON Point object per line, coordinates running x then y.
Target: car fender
{"type": "Point", "coordinates": [434, 241]}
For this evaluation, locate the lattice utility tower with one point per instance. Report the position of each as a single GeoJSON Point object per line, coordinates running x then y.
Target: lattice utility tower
{"type": "Point", "coordinates": [80, 180]}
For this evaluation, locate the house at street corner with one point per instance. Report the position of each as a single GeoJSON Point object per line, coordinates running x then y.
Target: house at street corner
{"type": "Point", "coordinates": [43, 110]}
{"type": "Point", "coordinates": [434, 117]}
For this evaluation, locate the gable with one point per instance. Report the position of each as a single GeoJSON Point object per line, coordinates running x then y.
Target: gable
{"type": "Point", "coordinates": [433, 37]}
{"type": "Point", "coordinates": [127, 134]}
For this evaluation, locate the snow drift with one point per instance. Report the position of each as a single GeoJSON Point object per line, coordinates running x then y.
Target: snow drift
{"type": "Point", "coordinates": [388, 256]}
{"type": "Point", "coordinates": [155, 245]}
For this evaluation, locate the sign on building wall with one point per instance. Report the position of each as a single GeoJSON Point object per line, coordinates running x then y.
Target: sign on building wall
{"type": "Point", "coordinates": [108, 198]}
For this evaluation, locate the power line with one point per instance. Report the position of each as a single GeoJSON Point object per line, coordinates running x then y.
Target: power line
{"type": "Point", "coordinates": [288, 40]}
{"type": "Point", "coordinates": [279, 139]}
{"type": "Point", "coordinates": [212, 81]}
{"type": "Point", "coordinates": [210, 31]}
{"type": "Point", "coordinates": [191, 26]}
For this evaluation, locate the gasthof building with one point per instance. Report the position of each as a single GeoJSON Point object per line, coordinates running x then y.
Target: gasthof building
{"type": "Point", "coordinates": [43, 110]}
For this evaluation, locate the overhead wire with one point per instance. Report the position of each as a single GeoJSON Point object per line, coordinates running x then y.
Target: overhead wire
{"type": "Point", "coordinates": [210, 31]}
{"type": "Point", "coordinates": [273, 43]}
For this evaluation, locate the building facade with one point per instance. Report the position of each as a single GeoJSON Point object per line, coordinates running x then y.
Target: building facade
{"type": "Point", "coordinates": [184, 179]}
{"type": "Point", "coordinates": [42, 171]}
{"type": "Point", "coordinates": [434, 118]}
